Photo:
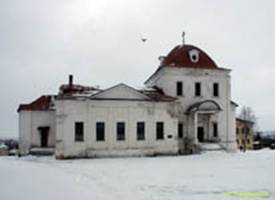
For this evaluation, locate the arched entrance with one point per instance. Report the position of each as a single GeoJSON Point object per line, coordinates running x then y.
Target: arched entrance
{"type": "Point", "coordinates": [203, 121]}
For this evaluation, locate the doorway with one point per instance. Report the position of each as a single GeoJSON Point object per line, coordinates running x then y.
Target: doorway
{"type": "Point", "coordinates": [200, 134]}
{"type": "Point", "coordinates": [44, 134]}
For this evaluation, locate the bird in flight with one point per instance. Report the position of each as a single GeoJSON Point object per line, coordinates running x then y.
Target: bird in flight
{"type": "Point", "coordinates": [143, 39]}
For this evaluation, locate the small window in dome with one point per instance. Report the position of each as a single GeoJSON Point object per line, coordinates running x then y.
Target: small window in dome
{"type": "Point", "coordinates": [194, 55]}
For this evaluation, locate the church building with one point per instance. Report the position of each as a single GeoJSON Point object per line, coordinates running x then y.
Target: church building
{"type": "Point", "coordinates": [185, 104]}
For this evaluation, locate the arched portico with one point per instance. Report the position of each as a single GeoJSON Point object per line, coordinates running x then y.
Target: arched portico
{"type": "Point", "coordinates": [203, 121]}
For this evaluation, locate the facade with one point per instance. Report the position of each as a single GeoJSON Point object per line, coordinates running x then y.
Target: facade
{"type": "Point", "coordinates": [244, 134]}
{"type": "Point", "coordinates": [4, 150]}
{"type": "Point", "coordinates": [184, 104]}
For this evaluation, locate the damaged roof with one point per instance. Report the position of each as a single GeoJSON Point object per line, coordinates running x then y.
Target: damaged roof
{"type": "Point", "coordinates": [75, 89]}
{"type": "Point", "coordinates": [157, 95]}
{"type": "Point", "coordinates": [42, 103]}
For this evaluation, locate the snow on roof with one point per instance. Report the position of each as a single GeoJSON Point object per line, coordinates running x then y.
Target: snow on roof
{"type": "Point", "coordinates": [156, 94]}
{"type": "Point", "coordinates": [3, 146]}
{"type": "Point", "coordinates": [77, 90]}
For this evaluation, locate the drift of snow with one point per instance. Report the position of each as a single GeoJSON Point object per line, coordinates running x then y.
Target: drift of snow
{"type": "Point", "coordinates": [205, 176]}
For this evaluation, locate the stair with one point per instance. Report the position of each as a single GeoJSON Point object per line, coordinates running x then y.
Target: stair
{"type": "Point", "coordinates": [210, 147]}
{"type": "Point", "coordinates": [42, 151]}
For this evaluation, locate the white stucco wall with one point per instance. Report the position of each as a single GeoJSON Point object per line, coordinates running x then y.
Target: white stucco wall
{"type": "Point", "coordinates": [130, 106]}
{"type": "Point", "coordinates": [29, 135]}
{"type": "Point", "coordinates": [167, 78]}
{"type": "Point", "coordinates": [111, 112]}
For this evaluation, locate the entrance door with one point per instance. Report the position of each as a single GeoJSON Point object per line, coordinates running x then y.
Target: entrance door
{"type": "Point", "coordinates": [200, 134]}
{"type": "Point", "coordinates": [44, 133]}
{"type": "Point", "coordinates": [44, 138]}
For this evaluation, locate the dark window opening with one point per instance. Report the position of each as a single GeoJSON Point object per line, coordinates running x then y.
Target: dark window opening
{"type": "Point", "coordinates": [100, 131]}
{"type": "Point", "coordinates": [215, 89]}
{"type": "Point", "coordinates": [180, 130]}
{"type": "Point", "coordinates": [120, 129]}
{"type": "Point", "coordinates": [160, 130]}
{"type": "Point", "coordinates": [197, 89]}
{"type": "Point", "coordinates": [79, 131]}
{"type": "Point", "coordinates": [215, 129]}
{"type": "Point", "coordinates": [140, 131]}
{"type": "Point", "coordinates": [179, 88]}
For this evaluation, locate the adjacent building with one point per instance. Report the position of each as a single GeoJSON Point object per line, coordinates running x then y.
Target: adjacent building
{"type": "Point", "coordinates": [244, 134]}
{"type": "Point", "coordinates": [185, 103]}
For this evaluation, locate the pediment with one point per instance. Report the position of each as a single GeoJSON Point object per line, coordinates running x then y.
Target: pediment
{"type": "Point", "coordinates": [120, 91]}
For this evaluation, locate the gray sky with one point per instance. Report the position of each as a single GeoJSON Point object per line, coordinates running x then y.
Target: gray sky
{"type": "Point", "coordinates": [98, 41]}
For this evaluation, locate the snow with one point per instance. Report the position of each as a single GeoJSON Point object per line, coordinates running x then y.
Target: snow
{"type": "Point", "coordinates": [3, 146]}
{"type": "Point", "coordinates": [205, 176]}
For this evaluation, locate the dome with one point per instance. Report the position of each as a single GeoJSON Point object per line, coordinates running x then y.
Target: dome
{"type": "Point", "coordinates": [188, 56]}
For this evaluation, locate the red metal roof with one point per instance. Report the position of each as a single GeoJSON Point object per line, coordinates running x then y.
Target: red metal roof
{"type": "Point", "coordinates": [42, 103]}
{"type": "Point", "coordinates": [179, 57]}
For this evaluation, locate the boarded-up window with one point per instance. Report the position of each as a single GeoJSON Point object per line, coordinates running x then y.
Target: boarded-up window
{"type": "Point", "coordinates": [79, 131]}
{"type": "Point", "coordinates": [160, 130]}
{"type": "Point", "coordinates": [120, 128]}
{"type": "Point", "coordinates": [100, 131]}
{"type": "Point", "coordinates": [140, 131]}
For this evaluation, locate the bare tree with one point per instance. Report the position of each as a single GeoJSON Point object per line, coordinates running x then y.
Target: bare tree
{"type": "Point", "coordinates": [247, 114]}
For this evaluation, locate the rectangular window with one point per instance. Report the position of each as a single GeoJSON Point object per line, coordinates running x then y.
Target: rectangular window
{"type": "Point", "coordinates": [140, 131]}
{"type": "Point", "coordinates": [160, 130]}
{"type": "Point", "coordinates": [120, 129]}
{"type": "Point", "coordinates": [79, 131]}
{"type": "Point", "coordinates": [100, 131]}
{"type": "Point", "coordinates": [215, 129]}
{"type": "Point", "coordinates": [197, 89]}
{"type": "Point", "coordinates": [179, 88]}
{"type": "Point", "coordinates": [215, 89]}
{"type": "Point", "coordinates": [180, 130]}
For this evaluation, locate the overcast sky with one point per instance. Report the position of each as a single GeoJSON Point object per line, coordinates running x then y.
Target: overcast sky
{"type": "Point", "coordinates": [99, 41]}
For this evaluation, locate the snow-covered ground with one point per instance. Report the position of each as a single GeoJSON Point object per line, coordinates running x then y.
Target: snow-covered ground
{"type": "Point", "coordinates": [205, 176]}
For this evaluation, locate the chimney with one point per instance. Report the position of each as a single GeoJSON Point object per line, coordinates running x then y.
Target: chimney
{"type": "Point", "coordinates": [71, 80]}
